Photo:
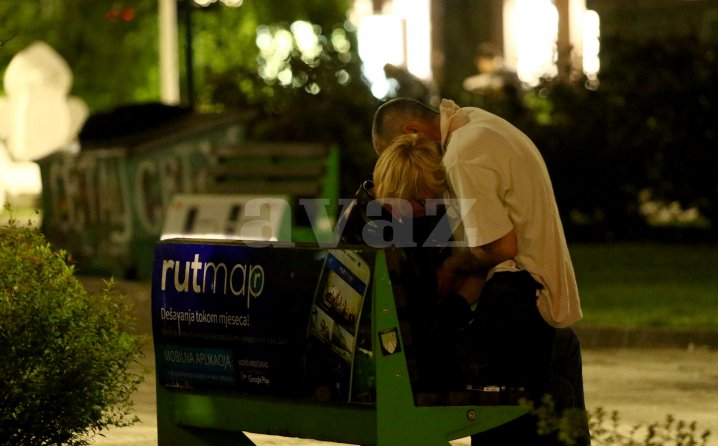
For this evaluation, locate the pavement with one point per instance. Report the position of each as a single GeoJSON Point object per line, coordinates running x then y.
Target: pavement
{"type": "Point", "coordinates": [643, 374]}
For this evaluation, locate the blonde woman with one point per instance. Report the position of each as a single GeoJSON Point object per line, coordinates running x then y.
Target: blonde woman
{"type": "Point", "coordinates": [408, 173]}
{"type": "Point", "coordinates": [408, 177]}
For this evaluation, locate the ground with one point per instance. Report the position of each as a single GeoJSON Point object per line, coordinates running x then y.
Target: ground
{"type": "Point", "coordinates": [644, 384]}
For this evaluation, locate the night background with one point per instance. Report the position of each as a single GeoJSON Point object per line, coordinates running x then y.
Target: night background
{"type": "Point", "coordinates": [619, 96]}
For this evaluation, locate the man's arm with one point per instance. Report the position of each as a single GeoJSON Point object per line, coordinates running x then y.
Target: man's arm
{"type": "Point", "coordinates": [491, 254]}
{"type": "Point", "coordinates": [482, 258]}
{"type": "Point", "coordinates": [475, 261]}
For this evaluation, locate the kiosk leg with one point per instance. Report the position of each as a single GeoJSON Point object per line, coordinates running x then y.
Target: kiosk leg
{"type": "Point", "coordinates": [170, 433]}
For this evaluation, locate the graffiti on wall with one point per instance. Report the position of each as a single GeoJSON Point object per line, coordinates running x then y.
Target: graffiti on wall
{"type": "Point", "coordinates": [103, 199]}
{"type": "Point", "coordinates": [89, 193]}
{"type": "Point", "coordinates": [156, 179]}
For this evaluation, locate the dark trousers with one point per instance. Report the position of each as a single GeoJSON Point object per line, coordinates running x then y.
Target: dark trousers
{"type": "Point", "coordinates": [513, 343]}
{"type": "Point", "coordinates": [515, 347]}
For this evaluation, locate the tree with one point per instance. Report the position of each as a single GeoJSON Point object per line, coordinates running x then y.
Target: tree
{"type": "Point", "coordinates": [645, 133]}
{"type": "Point", "coordinates": [111, 47]}
{"type": "Point", "coordinates": [295, 66]}
{"type": "Point", "coordinates": [113, 51]}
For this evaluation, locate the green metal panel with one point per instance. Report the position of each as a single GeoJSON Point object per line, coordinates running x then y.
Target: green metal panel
{"type": "Point", "coordinates": [354, 424]}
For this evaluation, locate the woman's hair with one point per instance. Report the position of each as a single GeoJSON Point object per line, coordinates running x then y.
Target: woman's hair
{"type": "Point", "coordinates": [409, 166]}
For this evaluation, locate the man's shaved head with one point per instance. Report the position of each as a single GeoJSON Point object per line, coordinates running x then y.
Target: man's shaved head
{"type": "Point", "coordinates": [391, 116]}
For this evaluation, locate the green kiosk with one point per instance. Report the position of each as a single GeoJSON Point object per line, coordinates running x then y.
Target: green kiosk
{"type": "Point", "coordinates": [291, 340]}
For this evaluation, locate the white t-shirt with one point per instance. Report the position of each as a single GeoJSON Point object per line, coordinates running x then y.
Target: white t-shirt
{"type": "Point", "coordinates": [492, 162]}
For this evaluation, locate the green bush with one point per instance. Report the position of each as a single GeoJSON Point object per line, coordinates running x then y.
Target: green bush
{"type": "Point", "coordinates": [66, 354]}
{"type": "Point", "coordinates": [606, 429]}
{"type": "Point", "coordinates": [567, 427]}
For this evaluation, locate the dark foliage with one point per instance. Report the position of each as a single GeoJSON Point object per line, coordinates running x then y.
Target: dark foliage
{"type": "Point", "coordinates": [645, 133]}
{"type": "Point", "coordinates": [66, 353]}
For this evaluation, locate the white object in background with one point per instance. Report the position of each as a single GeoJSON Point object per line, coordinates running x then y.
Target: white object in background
{"type": "Point", "coordinates": [38, 117]}
{"type": "Point", "coordinates": [17, 178]}
{"type": "Point", "coordinates": [169, 52]}
{"type": "Point", "coordinates": [228, 217]}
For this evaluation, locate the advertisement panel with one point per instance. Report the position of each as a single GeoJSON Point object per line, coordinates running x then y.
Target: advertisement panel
{"type": "Point", "coordinates": [269, 320]}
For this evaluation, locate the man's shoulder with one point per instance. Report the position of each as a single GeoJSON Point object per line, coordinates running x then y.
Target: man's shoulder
{"type": "Point", "coordinates": [485, 129]}
{"type": "Point", "coordinates": [477, 112]}
{"type": "Point", "coordinates": [485, 125]}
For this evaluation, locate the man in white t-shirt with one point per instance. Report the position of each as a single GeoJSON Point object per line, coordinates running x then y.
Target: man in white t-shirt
{"type": "Point", "coordinates": [513, 232]}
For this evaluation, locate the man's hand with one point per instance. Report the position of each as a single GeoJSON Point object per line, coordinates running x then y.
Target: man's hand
{"type": "Point", "coordinates": [464, 271]}
{"type": "Point", "coordinates": [469, 287]}
{"type": "Point", "coordinates": [445, 278]}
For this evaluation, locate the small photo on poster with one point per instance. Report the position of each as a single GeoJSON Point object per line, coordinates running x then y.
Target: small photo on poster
{"type": "Point", "coordinates": [334, 323]}
{"type": "Point", "coordinates": [342, 300]}
{"type": "Point", "coordinates": [322, 325]}
{"type": "Point", "coordinates": [343, 343]}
